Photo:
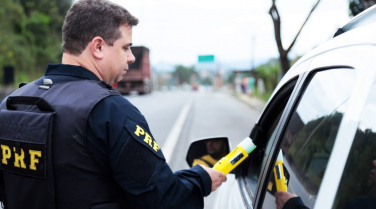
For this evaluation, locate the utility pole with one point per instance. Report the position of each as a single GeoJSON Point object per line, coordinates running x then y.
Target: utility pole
{"type": "Point", "coordinates": [253, 52]}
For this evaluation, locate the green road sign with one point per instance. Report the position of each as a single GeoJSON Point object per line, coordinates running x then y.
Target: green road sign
{"type": "Point", "coordinates": [206, 58]}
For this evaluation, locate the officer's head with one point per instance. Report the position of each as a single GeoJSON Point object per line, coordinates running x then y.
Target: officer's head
{"type": "Point", "coordinates": [87, 19]}
{"type": "Point", "coordinates": [97, 34]}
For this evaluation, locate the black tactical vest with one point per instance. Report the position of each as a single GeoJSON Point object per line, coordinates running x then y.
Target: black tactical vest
{"type": "Point", "coordinates": [43, 155]}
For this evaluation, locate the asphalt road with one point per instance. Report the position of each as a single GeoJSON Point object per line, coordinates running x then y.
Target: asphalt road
{"type": "Point", "coordinates": [176, 118]}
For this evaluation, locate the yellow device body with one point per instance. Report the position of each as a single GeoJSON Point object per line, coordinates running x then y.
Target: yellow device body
{"type": "Point", "coordinates": [279, 176]}
{"type": "Point", "coordinates": [230, 161]}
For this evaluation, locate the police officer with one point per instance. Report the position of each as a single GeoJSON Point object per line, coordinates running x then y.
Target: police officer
{"type": "Point", "coordinates": [84, 145]}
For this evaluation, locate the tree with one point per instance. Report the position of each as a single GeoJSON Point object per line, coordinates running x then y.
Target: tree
{"type": "Point", "coordinates": [358, 6]}
{"type": "Point", "coordinates": [183, 74]}
{"type": "Point", "coordinates": [283, 53]}
{"type": "Point", "coordinates": [269, 72]}
{"type": "Point", "coordinates": [30, 35]}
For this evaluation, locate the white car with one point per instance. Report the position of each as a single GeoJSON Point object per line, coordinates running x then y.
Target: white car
{"type": "Point", "coordinates": [322, 115]}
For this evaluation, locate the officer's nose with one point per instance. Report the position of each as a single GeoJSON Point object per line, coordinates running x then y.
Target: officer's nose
{"type": "Point", "coordinates": [130, 57]}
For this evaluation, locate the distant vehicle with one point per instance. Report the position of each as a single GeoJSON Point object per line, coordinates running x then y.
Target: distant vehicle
{"type": "Point", "coordinates": [322, 115]}
{"type": "Point", "coordinates": [139, 76]}
{"type": "Point", "coordinates": [194, 87]}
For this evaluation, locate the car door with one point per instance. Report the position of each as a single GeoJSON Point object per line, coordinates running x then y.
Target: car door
{"type": "Point", "coordinates": [307, 135]}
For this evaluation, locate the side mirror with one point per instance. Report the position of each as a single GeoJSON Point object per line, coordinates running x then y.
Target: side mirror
{"type": "Point", "coordinates": [207, 151]}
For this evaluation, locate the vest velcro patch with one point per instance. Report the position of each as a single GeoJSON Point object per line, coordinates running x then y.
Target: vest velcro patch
{"type": "Point", "coordinates": [142, 136]}
{"type": "Point", "coordinates": [23, 158]}
{"type": "Point", "coordinates": [25, 138]}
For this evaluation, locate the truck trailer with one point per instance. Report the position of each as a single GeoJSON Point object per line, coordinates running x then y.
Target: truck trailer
{"type": "Point", "coordinates": [139, 76]}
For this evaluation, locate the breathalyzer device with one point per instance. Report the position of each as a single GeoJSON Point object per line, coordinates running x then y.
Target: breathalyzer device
{"type": "Point", "coordinates": [280, 179]}
{"type": "Point", "coordinates": [235, 157]}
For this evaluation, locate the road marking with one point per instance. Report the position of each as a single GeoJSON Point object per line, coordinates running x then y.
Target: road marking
{"type": "Point", "coordinates": [173, 137]}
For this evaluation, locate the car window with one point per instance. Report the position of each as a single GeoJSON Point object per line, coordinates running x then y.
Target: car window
{"type": "Point", "coordinates": [266, 130]}
{"type": "Point", "coordinates": [357, 188]}
{"type": "Point", "coordinates": [309, 136]}
{"type": "Point", "coordinates": [253, 172]}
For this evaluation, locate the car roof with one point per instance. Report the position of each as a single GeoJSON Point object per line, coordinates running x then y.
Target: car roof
{"type": "Point", "coordinates": [364, 18]}
{"type": "Point", "coordinates": [360, 30]}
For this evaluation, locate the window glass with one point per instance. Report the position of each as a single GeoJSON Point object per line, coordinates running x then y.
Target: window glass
{"type": "Point", "coordinates": [310, 133]}
{"type": "Point", "coordinates": [254, 170]}
{"type": "Point", "coordinates": [267, 128]}
{"type": "Point", "coordinates": [357, 188]}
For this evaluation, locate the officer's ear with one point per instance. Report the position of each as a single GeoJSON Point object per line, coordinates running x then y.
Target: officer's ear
{"type": "Point", "coordinates": [97, 47]}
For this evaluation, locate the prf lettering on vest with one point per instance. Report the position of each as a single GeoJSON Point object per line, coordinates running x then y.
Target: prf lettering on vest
{"type": "Point", "coordinates": [19, 157]}
{"type": "Point", "coordinates": [148, 140]}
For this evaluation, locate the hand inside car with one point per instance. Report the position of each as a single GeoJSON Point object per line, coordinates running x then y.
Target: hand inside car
{"type": "Point", "coordinates": [282, 197]}
{"type": "Point", "coordinates": [217, 177]}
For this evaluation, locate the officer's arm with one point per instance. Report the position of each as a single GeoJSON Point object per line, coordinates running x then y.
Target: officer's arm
{"type": "Point", "coordinates": [118, 132]}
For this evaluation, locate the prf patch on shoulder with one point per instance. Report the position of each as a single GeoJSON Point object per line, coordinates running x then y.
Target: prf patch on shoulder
{"type": "Point", "coordinates": [142, 136]}
{"type": "Point", "coordinates": [23, 158]}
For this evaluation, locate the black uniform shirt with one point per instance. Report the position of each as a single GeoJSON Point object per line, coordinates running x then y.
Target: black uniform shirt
{"type": "Point", "coordinates": [119, 140]}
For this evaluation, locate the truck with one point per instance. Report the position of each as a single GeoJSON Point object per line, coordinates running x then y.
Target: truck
{"type": "Point", "coordinates": [139, 76]}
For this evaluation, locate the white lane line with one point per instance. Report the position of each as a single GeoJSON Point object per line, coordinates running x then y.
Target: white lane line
{"type": "Point", "coordinates": [173, 137]}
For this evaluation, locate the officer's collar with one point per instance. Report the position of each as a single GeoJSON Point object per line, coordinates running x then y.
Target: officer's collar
{"type": "Point", "coordinates": [70, 70]}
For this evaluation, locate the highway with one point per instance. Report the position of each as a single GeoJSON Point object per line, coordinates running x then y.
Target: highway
{"type": "Point", "coordinates": [176, 118]}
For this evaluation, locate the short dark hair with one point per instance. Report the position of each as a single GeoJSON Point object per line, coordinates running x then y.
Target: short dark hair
{"type": "Point", "coordinates": [87, 19]}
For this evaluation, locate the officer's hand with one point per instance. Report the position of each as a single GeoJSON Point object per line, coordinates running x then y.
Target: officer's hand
{"type": "Point", "coordinates": [216, 177]}
{"type": "Point", "coordinates": [282, 197]}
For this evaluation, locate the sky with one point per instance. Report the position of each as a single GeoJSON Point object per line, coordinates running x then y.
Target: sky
{"type": "Point", "coordinates": [238, 33]}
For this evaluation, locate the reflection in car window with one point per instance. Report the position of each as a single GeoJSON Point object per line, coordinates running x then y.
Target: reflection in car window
{"type": "Point", "coordinates": [357, 188]}
{"type": "Point", "coordinates": [309, 137]}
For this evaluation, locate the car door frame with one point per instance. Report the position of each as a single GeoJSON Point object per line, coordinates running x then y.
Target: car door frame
{"type": "Point", "coordinates": [286, 115]}
{"type": "Point", "coordinates": [249, 199]}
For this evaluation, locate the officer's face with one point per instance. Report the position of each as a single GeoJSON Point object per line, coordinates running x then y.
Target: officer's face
{"type": "Point", "coordinates": [118, 56]}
